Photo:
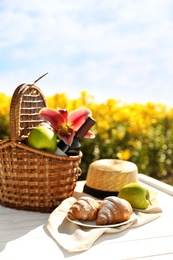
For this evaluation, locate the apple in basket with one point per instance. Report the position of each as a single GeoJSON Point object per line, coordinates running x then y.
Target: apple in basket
{"type": "Point", "coordinates": [43, 138]}
{"type": "Point", "coordinates": [137, 195]}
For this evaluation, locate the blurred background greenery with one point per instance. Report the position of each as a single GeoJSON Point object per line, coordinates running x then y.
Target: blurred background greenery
{"type": "Point", "coordinates": [140, 133]}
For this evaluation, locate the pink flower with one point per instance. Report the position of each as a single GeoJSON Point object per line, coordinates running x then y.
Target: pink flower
{"type": "Point", "coordinates": [66, 124]}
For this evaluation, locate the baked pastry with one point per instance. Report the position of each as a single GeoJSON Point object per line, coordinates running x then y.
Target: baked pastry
{"type": "Point", "coordinates": [113, 210]}
{"type": "Point", "coordinates": [85, 208]}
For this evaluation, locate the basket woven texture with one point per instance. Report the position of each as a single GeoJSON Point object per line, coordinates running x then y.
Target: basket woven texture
{"type": "Point", "coordinates": [31, 179]}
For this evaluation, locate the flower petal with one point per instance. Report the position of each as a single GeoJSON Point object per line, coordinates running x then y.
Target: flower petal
{"type": "Point", "coordinates": [53, 116]}
{"type": "Point", "coordinates": [77, 117]}
{"type": "Point", "coordinates": [67, 138]}
{"type": "Point", "coordinates": [89, 135]}
{"type": "Point", "coordinates": [64, 114]}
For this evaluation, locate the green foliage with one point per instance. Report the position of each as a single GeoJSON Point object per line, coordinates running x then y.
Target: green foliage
{"type": "Point", "coordinates": [139, 133]}
{"type": "Point", "coordinates": [4, 115]}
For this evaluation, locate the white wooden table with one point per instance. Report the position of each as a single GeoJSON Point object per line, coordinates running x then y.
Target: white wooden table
{"type": "Point", "coordinates": [23, 235]}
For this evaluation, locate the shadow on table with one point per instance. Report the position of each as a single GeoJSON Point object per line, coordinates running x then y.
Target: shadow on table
{"type": "Point", "coordinates": [17, 223]}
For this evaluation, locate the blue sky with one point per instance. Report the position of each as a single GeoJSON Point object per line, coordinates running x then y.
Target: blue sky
{"type": "Point", "coordinates": [113, 49]}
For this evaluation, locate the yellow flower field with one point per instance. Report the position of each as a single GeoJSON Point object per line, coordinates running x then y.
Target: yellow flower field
{"type": "Point", "coordinates": [141, 133]}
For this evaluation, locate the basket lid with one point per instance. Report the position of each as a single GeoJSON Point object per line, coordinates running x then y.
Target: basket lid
{"type": "Point", "coordinates": [27, 100]}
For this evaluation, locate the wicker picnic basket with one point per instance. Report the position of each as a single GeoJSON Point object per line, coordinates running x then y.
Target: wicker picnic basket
{"type": "Point", "coordinates": [31, 179]}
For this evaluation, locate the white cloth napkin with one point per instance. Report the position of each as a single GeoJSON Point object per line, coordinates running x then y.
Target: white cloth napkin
{"type": "Point", "coordinates": [75, 238]}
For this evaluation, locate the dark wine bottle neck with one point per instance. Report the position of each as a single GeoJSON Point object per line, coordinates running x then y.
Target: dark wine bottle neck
{"type": "Point", "coordinates": [76, 145]}
{"type": "Point", "coordinates": [85, 127]}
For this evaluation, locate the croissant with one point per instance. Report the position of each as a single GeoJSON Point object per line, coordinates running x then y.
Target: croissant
{"type": "Point", "coordinates": [85, 208]}
{"type": "Point", "coordinates": [113, 210]}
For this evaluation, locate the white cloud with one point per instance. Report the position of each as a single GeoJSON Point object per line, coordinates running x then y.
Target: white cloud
{"type": "Point", "coordinates": [111, 48]}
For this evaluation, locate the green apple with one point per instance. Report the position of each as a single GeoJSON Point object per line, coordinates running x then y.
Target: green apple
{"type": "Point", "coordinates": [137, 195]}
{"type": "Point", "coordinates": [43, 138]}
